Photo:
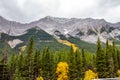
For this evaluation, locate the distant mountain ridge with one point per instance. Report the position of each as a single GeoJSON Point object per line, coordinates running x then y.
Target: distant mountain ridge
{"type": "Point", "coordinates": [87, 29]}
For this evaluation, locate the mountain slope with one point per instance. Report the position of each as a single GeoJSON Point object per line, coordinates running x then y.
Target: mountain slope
{"type": "Point", "coordinates": [81, 32]}
{"type": "Point", "coordinates": [41, 39]}
{"type": "Point", "coordinates": [68, 44]}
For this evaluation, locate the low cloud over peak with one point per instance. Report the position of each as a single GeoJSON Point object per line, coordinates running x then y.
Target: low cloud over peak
{"type": "Point", "coordinates": [30, 10]}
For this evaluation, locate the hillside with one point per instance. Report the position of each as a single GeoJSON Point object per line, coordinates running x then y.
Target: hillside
{"type": "Point", "coordinates": [50, 31]}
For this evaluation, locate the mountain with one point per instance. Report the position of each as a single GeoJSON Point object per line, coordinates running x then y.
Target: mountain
{"type": "Point", "coordinates": [85, 29]}
{"type": "Point", "coordinates": [75, 30]}
{"type": "Point", "coordinates": [41, 39]}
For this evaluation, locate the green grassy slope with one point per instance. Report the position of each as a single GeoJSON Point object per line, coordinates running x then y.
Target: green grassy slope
{"type": "Point", "coordinates": [41, 39]}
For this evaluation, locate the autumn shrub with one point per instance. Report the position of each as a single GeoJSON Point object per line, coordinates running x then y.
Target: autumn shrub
{"type": "Point", "coordinates": [62, 71]}
{"type": "Point", "coordinates": [118, 73]}
{"type": "Point", "coordinates": [89, 75]}
{"type": "Point", "coordinates": [40, 78]}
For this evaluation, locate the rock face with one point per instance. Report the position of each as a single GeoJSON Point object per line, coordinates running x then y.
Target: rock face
{"type": "Point", "coordinates": [14, 42]}
{"type": "Point", "coordinates": [85, 29]}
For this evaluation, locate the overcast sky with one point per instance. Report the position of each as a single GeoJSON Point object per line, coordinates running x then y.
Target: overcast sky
{"type": "Point", "coordinates": [31, 10]}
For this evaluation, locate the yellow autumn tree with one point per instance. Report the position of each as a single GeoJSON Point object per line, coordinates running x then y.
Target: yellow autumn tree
{"type": "Point", "coordinates": [39, 78]}
{"type": "Point", "coordinates": [89, 75]}
{"type": "Point", "coordinates": [62, 71]}
{"type": "Point", "coordinates": [22, 49]}
{"type": "Point", "coordinates": [118, 72]}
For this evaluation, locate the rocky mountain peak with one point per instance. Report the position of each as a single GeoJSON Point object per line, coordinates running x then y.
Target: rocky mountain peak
{"type": "Point", "coordinates": [84, 29]}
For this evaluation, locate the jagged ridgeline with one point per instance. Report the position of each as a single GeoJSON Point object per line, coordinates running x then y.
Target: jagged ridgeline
{"type": "Point", "coordinates": [62, 32]}
{"type": "Point", "coordinates": [43, 39]}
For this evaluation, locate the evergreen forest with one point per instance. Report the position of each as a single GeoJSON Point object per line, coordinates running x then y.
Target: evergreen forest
{"type": "Point", "coordinates": [64, 64]}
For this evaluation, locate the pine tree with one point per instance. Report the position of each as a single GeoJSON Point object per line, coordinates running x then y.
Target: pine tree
{"type": "Point", "coordinates": [12, 65]}
{"type": "Point", "coordinates": [84, 59]}
{"type": "Point", "coordinates": [30, 47]}
{"type": "Point", "coordinates": [28, 63]}
{"type": "Point", "coordinates": [72, 63]}
{"type": "Point", "coordinates": [109, 61]}
{"type": "Point", "coordinates": [115, 59]}
{"type": "Point", "coordinates": [100, 61]}
{"type": "Point", "coordinates": [118, 58]}
{"type": "Point", "coordinates": [17, 75]}
{"type": "Point", "coordinates": [47, 66]}
{"type": "Point", "coordinates": [79, 65]}
{"type": "Point", "coordinates": [37, 63]}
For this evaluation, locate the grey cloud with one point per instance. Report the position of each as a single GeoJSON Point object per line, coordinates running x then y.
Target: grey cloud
{"type": "Point", "coordinates": [110, 3]}
{"type": "Point", "coordinates": [32, 10]}
{"type": "Point", "coordinates": [11, 9]}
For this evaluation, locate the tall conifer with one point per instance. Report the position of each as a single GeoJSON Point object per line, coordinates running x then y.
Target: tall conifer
{"type": "Point", "coordinates": [100, 61]}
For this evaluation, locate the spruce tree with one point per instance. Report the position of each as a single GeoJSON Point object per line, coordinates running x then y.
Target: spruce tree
{"type": "Point", "coordinates": [118, 58]}
{"type": "Point", "coordinates": [12, 65]}
{"type": "Point", "coordinates": [83, 59]}
{"type": "Point", "coordinates": [47, 66]}
{"type": "Point", "coordinates": [72, 63]}
{"type": "Point", "coordinates": [100, 61]}
{"type": "Point", "coordinates": [109, 61]}
{"type": "Point", "coordinates": [79, 65]}
{"type": "Point", "coordinates": [36, 63]}
{"type": "Point", "coordinates": [17, 75]}
{"type": "Point", "coordinates": [28, 65]}
{"type": "Point", "coordinates": [115, 59]}
{"type": "Point", "coordinates": [83, 63]}
{"type": "Point", "coordinates": [21, 66]}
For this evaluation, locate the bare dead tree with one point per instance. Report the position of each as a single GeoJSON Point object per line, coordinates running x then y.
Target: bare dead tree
{"type": "Point", "coordinates": [5, 49]}
{"type": "Point", "coordinates": [5, 53]}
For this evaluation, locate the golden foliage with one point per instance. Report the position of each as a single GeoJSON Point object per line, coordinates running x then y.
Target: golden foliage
{"type": "Point", "coordinates": [118, 72]}
{"type": "Point", "coordinates": [39, 78]}
{"type": "Point", "coordinates": [68, 44]}
{"type": "Point", "coordinates": [22, 49]}
{"type": "Point", "coordinates": [62, 71]}
{"type": "Point", "coordinates": [89, 75]}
